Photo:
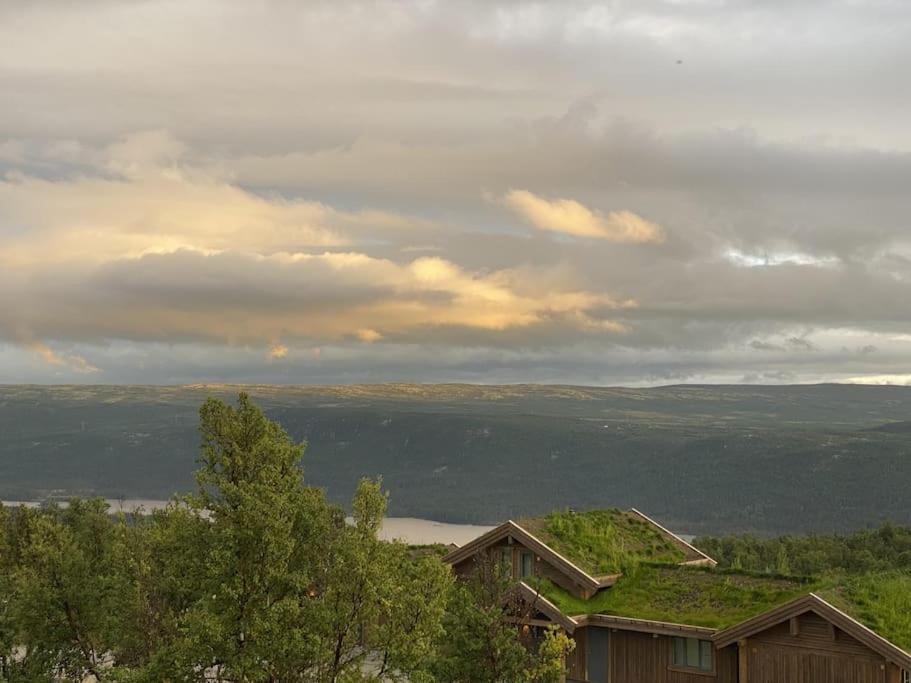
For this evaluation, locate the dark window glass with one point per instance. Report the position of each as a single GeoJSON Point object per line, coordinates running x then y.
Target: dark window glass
{"type": "Point", "coordinates": [693, 653]}
{"type": "Point", "coordinates": [528, 564]}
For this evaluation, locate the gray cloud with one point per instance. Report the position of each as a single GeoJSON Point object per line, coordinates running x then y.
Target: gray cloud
{"type": "Point", "coordinates": [333, 182]}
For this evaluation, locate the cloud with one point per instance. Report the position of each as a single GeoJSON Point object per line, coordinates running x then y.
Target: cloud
{"type": "Point", "coordinates": [237, 298]}
{"type": "Point", "coordinates": [882, 380]}
{"type": "Point", "coordinates": [278, 351]}
{"type": "Point", "coordinates": [368, 336]}
{"type": "Point", "coordinates": [800, 344]}
{"type": "Point", "coordinates": [765, 346]}
{"type": "Point", "coordinates": [739, 258]}
{"type": "Point", "coordinates": [94, 219]}
{"type": "Point", "coordinates": [72, 362]}
{"type": "Point", "coordinates": [572, 218]}
{"type": "Point", "coordinates": [181, 209]}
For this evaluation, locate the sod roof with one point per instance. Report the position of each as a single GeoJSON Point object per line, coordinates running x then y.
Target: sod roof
{"type": "Point", "coordinates": [713, 598]}
{"type": "Point", "coordinates": [603, 542]}
{"type": "Point", "coordinates": [881, 602]}
{"type": "Point", "coordinates": [682, 595]}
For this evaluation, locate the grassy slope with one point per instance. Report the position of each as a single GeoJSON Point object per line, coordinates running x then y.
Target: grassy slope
{"type": "Point", "coordinates": [699, 597]}
{"type": "Point", "coordinates": [603, 541]}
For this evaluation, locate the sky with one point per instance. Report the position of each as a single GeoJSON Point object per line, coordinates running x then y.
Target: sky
{"type": "Point", "coordinates": [624, 192]}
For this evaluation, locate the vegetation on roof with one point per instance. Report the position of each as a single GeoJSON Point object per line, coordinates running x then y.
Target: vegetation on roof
{"type": "Point", "coordinates": [880, 601]}
{"type": "Point", "coordinates": [720, 598]}
{"type": "Point", "coordinates": [604, 541]}
{"type": "Point", "coordinates": [683, 595]}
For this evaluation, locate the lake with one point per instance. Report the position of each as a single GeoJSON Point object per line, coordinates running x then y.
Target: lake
{"type": "Point", "coordinates": [408, 529]}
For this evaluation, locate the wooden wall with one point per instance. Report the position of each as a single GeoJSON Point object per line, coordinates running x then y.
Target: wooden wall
{"type": "Point", "coordinates": [643, 658]}
{"type": "Point", "coordinates": [575, 662]}
{"type": "Point", "coordinates": [811, 650]}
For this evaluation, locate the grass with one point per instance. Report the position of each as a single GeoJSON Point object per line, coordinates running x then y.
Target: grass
{"type": "Point", "coordinates": [881, 601]}
{"type": "Point", "coordinates": [720, 598]}
{"type": "Point", "coordinates": [683, 595]}
{"type": "Point", "coordinates": [604, 541]}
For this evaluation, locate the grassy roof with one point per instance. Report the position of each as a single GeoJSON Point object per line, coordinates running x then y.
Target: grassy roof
{"type": "Point", "coordinates": [881, 601]}
{"type": "Point", "coordinates": [682, 595]}
{"type": "Point", "coordinates": [605, 541]}
{"type": "Point", "coordinates": [720, 598]}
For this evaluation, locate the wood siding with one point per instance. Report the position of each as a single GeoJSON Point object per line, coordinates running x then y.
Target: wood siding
{"type": "Point", "coordinates": [644, 658]}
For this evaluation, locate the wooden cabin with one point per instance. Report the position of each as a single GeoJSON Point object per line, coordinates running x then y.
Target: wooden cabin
{"type": "Point", "coordinates": [660, 612]}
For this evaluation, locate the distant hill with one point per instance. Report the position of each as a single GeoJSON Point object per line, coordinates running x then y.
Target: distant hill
{"type": "Point", "coordinates": [703, 459]}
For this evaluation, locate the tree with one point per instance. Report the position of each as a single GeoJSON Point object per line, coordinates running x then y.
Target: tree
{"type": "Point", "coordinates": [381, 608]}
{"type": "Point", "coordinates": [267, 531]}
{"type": "Point", "coordinates": [160, 573]}
{"type": "Point", "coordinates": [61, 590]}
{"type": "Point", "coordinates": [487, 638]}
{"type": "Point", "coordinates": [292, 591]}
{"type": "Point", "coordinates": [7, 564]}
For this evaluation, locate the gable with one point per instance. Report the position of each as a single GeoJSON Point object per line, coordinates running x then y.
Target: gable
{"type": "Point", "coordinates": [812, 631]}
{"type": "Point", "coordinates": [814, 623]}
{"type": "Point", "coordinates": [510, 533]}
{"type": "Point", "coordinates": [557, 553]}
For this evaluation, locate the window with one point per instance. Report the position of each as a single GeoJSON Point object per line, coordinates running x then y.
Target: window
{"type": "Point", "coordinates": [528, 565]}
{"type": "Point", "coordinates": [693, 653]}
{"type": "Point", "coordinates": [906, 676]}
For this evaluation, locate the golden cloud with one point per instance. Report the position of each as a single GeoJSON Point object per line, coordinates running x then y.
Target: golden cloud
{"type": "Point", "coordinates": [164, 251]}
{"type": "Point", "coordinates": [572, 218]}
{"type": "Point", "coordinates": [72, 362]}
{"type": "Point", "coordinates": [278, 351]}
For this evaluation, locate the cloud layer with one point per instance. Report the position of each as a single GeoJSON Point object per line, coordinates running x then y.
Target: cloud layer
{"type": "Point", "coordinates": [636, 193]}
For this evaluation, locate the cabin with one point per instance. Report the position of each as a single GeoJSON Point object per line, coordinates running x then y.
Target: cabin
{"type": "Point", "coordinates": [645, 606]}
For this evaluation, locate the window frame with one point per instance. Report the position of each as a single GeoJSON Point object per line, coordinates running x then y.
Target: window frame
{"type": "Point", "coordinates": [701, 647]}
{"type": "Point", "coordinates": [906, 676]}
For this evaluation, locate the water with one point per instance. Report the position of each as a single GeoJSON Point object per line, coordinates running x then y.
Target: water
{"type": "Point", "coordinates": [424, 531]}
{"type": "Point", "coordinates": [409, 529]}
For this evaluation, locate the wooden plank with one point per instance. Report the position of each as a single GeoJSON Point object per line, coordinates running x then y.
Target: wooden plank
{"type": "Point", "coordinates": [743, 661]}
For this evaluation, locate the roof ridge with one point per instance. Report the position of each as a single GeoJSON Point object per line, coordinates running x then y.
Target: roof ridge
{"type": "Point", "coordinates": [594, 579]}
{"type": "Point", "coordinates": [663, 528]}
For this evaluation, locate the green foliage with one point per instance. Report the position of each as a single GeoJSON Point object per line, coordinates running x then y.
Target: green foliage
{"type": "Point", "coordinates": [683, 595]}
{"type": "Point", "coordinates": [480, 644]}
{"type": "Point", "coordinates": [882, 601]}
{"type": "Point", "coordinates": [8, 562]}
{"type": "Point", "coordinates": [255, 577]}
{"type": "Point", "coordinates": [871, 550]}
{"type": "Point", "coordinates": [61, 586]}
{"type": "Point", "coordinates": [604, 541]}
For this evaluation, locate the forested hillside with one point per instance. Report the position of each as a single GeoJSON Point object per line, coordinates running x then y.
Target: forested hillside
{"type": "Point", "coordinates": [704, 460]}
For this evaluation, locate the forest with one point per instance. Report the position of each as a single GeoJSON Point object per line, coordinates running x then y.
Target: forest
{"type": "Point", "coordinates": [885, 548]}
{"type": "Point", "coordinates": [773, 460]}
